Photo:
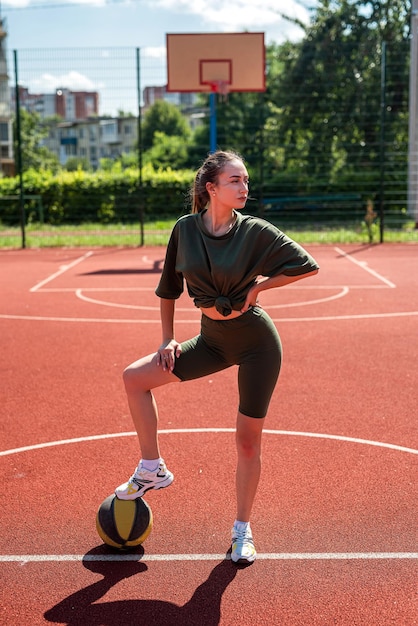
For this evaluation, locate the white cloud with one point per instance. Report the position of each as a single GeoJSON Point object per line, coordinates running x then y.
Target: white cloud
{"type": "Point", "coordinates": [48, 83]}
{"type": "Point", "coordinates": [17, 4]}
{"type": "Point", "coordinates": [95, 3]}
{"type": "Point", "coordinates": [214, 16]}
{"type": "Point", "coordinates": [155, 52]}
{"type": "Point", "coordinates": [238, 15]}
{"type": "Point", "coordinates": [21, 4]}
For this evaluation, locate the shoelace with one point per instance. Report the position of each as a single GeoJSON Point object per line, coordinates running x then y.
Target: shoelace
{"type": "Point", "coordinates": [242, 536]}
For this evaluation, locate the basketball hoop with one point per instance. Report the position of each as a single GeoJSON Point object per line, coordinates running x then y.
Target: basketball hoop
{"type": "Point", "coordinates": [221, 87]}
{"type": "Point", "coordinates": [215, 63]}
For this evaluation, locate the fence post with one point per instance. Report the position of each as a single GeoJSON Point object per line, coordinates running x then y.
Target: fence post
{"type": "Point", "coordinates": [413, 118]}
{"type": "Point", "coordinates": [19, 155]}
{"type": "Point", "coordinates": [140, 182]}
{"type": "Point", "coordinates": [382, 141]}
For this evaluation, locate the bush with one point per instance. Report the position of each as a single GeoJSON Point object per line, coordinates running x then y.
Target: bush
{"type": "Point", "coordinates": [102, 196]}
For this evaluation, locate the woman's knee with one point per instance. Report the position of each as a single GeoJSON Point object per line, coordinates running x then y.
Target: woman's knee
{"type": "Point", "coordinates": [144, 375]}
{"type": "Point", "coordinates": [248, 449]}
{"type": "Point", "coordinates": [134, 376]}
{"type": "Point", "coordinates": [248, 436]}
{"type": "Point", "coordinates": [129, 378]}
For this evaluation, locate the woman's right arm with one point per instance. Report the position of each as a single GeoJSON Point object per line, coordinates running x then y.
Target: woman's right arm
{"type": "Point", "coordinates": [167, 308]}
{"type": "Point", "coordinates": [170, 349]}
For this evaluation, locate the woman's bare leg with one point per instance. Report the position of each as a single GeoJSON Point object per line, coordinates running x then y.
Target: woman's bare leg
{"type": "Point", "coordinates": [140, 378]}
{"type": "Point", "coordinates": [248, 441]}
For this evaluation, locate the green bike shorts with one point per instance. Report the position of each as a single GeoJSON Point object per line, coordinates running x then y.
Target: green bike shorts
{"type": "Point", "coordinates": [250, 341]}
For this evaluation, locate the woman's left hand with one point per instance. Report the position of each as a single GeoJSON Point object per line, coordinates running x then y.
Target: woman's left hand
{"type": "Point", "coordinates": [167, 354]}
{"type": "Point", "coordinates": [251, 299]}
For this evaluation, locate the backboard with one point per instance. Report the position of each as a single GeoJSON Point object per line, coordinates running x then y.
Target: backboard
{"type": "Point", "coordinates": [215, 62]}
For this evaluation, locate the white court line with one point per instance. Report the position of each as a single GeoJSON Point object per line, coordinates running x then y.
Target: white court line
{"type": "Point", "coordinates": [62, 270]}
{"type": "Point", "coordinates": [365, 267]}
{"type": "Point", "coordinates": [362, 264]}
{"type": "Point", "coordinates": [282, 556]}
{"type": "Point", "coordinates": [99, 289]}
{"type": "Point", "coordinates": [96, 320]}
{"type": "Point", "coordinates": [79, 293]}
{"type": "Point", "coordinates": [268, 556]}
{"type": "Point", "coordinates": [291, 287]}
{"type": "Point", "coordinates": [174, 431]}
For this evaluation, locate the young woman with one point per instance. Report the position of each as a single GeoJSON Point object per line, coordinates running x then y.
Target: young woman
{"type": "Point", "coordinates": [226, 259]}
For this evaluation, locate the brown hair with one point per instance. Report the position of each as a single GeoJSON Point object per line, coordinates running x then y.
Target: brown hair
{"type": "Point", "coordinates": [208, 173]}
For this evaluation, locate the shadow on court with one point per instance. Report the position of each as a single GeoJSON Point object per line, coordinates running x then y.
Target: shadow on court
{"type": "Point", "coordinates": [156, 268]}
{"type": "Point", "coordinates": [362, 248]}
{"type": "Point", "coordinates": [80, 608]}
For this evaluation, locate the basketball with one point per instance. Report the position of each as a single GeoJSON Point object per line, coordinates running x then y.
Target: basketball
{"type": "Point", "coordinates": [123, 524]}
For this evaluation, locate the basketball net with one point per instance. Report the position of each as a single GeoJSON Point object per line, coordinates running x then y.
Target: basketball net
{"type": "Point", "coordinates": [221, 87]}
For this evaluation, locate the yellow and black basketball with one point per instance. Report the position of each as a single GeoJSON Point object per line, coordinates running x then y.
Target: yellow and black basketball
{"type": "Point", "coordinates": [123, 524]}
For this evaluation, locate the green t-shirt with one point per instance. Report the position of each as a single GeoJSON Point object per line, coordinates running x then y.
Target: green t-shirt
{"type": "Point", "coordinates": [219, 271]}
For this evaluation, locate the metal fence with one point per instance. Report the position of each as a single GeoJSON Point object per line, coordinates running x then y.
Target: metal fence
{"type": "Point", "coordinates": [101, 96]}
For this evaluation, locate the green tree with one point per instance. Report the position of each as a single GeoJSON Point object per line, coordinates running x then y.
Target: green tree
{"type": "Point", "coordinates": [167, 152]}
{"type": "Point", "coordinates": [33, 129]}
{"type": "Point", "coordinates": [240, 120]}
{"type": "Point", "coordinates": [326, 120]}
{"type": "Point", "coordinates": [73, 164]}
{"type": "Point", "coordinates": [165, 118]}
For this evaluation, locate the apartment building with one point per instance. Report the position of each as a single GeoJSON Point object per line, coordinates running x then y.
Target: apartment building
{"type": "Point", "coordinates": [70, 105]}
{"type": "Point", "coordinates": [183, 100]}
{"type": "Point", "coordinates": [7, 165]}
{"type": "Point", "coordinates": [93, 139]}
{"type": "Point", "coordinates": [83, 134]}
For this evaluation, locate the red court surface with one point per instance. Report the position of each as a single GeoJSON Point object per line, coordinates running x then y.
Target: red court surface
{"type": "Point", "coordinates": [335, 520]}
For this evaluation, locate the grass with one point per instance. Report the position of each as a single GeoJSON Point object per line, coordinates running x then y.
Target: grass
{"type": "Point", "coordinates": [86, 235]}
{"type": "Point", "coordinates": [157, 232]}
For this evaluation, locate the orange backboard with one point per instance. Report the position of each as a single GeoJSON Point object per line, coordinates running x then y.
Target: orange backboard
{"type": "Point", "coordinates": [202, 61]}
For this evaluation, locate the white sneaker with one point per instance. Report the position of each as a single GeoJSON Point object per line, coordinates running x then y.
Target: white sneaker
{"type": "Point", "coordinates": [243, 549]}
{"type": "Point", "coordinates": [143, 480]}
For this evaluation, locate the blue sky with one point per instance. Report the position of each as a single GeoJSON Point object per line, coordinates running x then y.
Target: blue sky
{"type": "Point", "coordinates": [43, 25]}
{"type": "Point", "coordinates": [141, 23]}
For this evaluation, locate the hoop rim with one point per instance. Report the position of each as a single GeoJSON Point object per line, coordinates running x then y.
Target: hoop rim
{"type": "Point", "coordinates": [219, 86]}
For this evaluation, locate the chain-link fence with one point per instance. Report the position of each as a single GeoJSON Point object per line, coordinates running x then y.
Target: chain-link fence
{"type": "Point", "coordinates": [320, 152]}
